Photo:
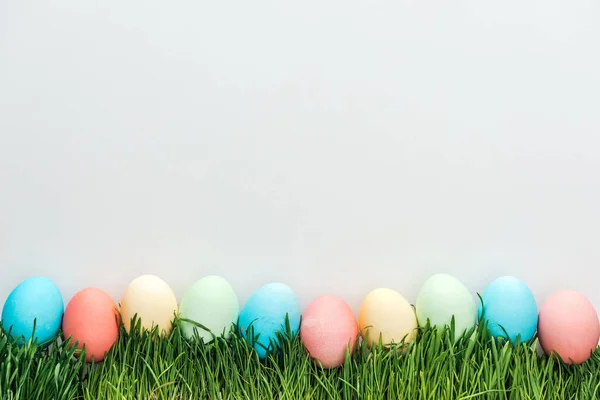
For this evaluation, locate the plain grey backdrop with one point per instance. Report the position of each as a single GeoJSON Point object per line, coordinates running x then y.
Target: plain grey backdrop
{"type": "Point", "coordinates": [337, 146]}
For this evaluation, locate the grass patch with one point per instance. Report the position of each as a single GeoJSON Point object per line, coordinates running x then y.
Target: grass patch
{"type": "Point", "coordinates": [144, 366]}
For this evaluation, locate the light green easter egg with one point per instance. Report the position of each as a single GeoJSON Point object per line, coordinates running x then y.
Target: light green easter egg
{"type": "Point", "coordinates": [443, 296]}
{"type": "Point", "coordinates": [212, 303]}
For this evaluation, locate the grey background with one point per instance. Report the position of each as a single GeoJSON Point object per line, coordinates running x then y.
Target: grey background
{"type": "Point", "coordinates": [337, 146]}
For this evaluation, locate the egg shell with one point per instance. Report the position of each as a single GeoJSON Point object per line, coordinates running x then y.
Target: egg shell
{"type": "Point", "coordinates": [328, 329]}
{"type": "Point", "coordinates": [387, 316]}
{"type": "Point", "coordinates": [264, 314]}
{"type": "Point", "coordinates": [212, 303]}
{"type": "Point", "coordinates": [568, 326]}
{"type": "Point", "coordinates": [510, 309]}
{"type": "Point", "coordinates": [36, 300]}
{"type": "Point", "coordinates": [91, 319]}
{"type": "Point", "coordinates": [443, 296]}
{"type": "Point", "coordinates": [153, 301]}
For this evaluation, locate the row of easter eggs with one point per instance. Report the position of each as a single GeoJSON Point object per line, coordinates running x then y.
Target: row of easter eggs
{"type": "Point", "coordinates": [567, 323]}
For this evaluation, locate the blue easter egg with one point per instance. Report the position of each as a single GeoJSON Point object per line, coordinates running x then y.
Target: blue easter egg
{"type": "Point", "coordinates": [264, 314]}
{"type": "Point", "coordinates": [510, 309]}
{"type": "Point", "coordinates": [35, 299]}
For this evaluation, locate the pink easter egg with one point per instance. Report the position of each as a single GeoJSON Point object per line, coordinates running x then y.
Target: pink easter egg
{"type": "Point", "coordinates": [328, 329]}
{"type": "Point", "coordinates": [568, 326]}
{"type": "Point", "coordinates": [91, 319]}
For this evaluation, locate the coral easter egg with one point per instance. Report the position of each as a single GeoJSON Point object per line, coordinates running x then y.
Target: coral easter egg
{"type": "Point", "coordinates": [35, 301]}
{"type": "Point", "coordinates": [328, 329]}
{"type": "Point", "coordinates": [91, 320]}
{"type": "Point", "coordinates": [509, 308]}
{"type": "Point", "coordinates": [264, 316]}
{"type": "Point", "coordinates": [212, 303]}
{"type": "Point", "coordinates": [153, 301]}
{"type": "Point", "coordinates": [442, 297]}
{"type": "Point", "coordinates": [386, 316]}
{"type": "Point", "coordinates": [568, 326]}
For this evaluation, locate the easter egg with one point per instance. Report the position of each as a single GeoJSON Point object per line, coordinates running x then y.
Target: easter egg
{"type": "Point", "coordinates": [91, 319]}
{"type": "Point", "coordinates": [264, 315]}
{"type": "Point", "coordinates": [212, 303]}
{"type": "Point", "coordinates": [443, 296]}
{"type": "Point", "coordinates": [153, 302]}
{"type": "Point", "coordinates": [328, 329]}
{"type": "Point", "coordinates": [386, 316]}
{"type": "Point", "coordinates": [509, 308]}
{"type": "Point", "coordinates": [35, 301]}
{"type": "Point", "coordinates": [568, 326]}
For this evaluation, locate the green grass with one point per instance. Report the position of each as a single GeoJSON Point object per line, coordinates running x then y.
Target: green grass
{"type": "Point", "coordinates": [144, 366]}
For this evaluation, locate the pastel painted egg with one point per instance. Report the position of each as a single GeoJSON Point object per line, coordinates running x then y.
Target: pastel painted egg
{"type": "Point", "coordinates": [264, 315]}
{"type": "Point", "coordinates": [91, 319]}
{"type": "Point", "coordinates": [386, 316]}
{"type": "Point", "coordinates": [152, 301]}
{"type": "Point", "coordinates": [568, 326]}
{"type": "Point", "coordinates": [35, 301]}
{"type": "Point", "coordinates": [510, 309]}
{"type": "Point", "coordinates": [212, 303]}
{"type": "Point", "coordinates": [328, 329]}
{"type": "Point", "coordinates": [442, 297]}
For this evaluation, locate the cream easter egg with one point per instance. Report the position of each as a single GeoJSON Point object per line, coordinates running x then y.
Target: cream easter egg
{"type": "Point", "coordinates": [152, 301]}
{"type": "Point", "coordinates": [568, 326]}
{"type": "Point", "coordinates": [328, 330]}
{"type": "Point", "coordinates": [386, 316]}
{"type": "Point", "coordinates": [442, 297]}
{"type": "Point", "coordinates": [212, 303]}
{"type": "Point", "coordinates": [91, 320]}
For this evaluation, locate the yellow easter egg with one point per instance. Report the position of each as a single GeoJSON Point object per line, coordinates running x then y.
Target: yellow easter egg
{"type": "Point", "coordinates": [152, 300]}
{"type": "Point", "coordinates": [385, 314]}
